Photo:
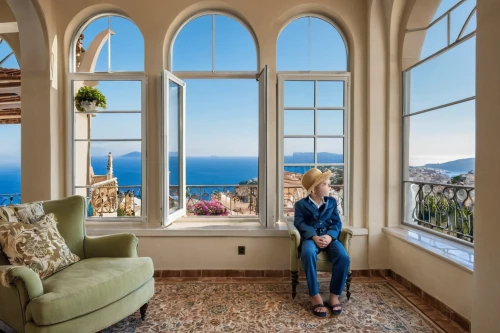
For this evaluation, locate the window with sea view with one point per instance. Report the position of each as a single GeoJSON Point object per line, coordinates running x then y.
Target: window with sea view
{"type": "Point", "coordinates": [214, 58]}
{"type": "Point", "coordinates": [107, 118]}
{"type": "Point", "coordinates": [313, 108]}
{"type": "Point", "coordinates": [439, 125]}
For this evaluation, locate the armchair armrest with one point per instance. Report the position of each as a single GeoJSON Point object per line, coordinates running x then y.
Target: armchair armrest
{"type": "Point", "coordinates": [10, 275]}
{"type": "Point", "coordinates": [115, 246]}
{"type": "Point", "coordinates": [345, 238]}
{"type": "Point", "coordinates": [294, 244]}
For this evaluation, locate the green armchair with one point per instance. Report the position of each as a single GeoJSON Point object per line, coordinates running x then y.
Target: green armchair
{"type": "Point", "coordinates": [323, 264]}
{"type": "Point", "coordinates": [109, 282]}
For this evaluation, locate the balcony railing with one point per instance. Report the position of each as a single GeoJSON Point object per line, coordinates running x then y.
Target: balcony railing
{"type": "Point", "coordinates": [445, 208]}
{"type": "Point", "coordinates": [243, 199]}
{"type": "Point", "coordinates": [10, 199]}
{"type": "Point", "coordinates": [238, 199]}
{"type": "Point", "coordinates": [107, 199]}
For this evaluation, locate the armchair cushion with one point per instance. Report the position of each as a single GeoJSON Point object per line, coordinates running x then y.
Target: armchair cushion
{"type": "Point", "coordinates": [38, 246]}
{"type": "Point", "coordinates": [87, 286]}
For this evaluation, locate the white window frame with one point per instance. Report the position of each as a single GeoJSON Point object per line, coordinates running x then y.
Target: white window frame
{"type": "Point", "coordinates": [317, 76]}
{"type": "Point", "coordinates": [121, 76]}
{"type": "Point", "coordinates": [262, 77]}
{"type": "Point", "coordinates": [406, 114]}
{"type": "Point", "coordinates": [167, 217]}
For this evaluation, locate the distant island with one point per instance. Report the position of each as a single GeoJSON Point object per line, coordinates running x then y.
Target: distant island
{"type": "Point", "coordinates": [133, 154]}
{"type": "Point", "coordinates": [454, 166]}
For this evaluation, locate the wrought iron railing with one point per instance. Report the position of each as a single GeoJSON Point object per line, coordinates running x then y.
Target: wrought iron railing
{"type": "Point", "coordinates": [108, 199]}
{"type": "Point", "coordinates": [243, 199]}
{"type": "Point", "coordinates": [10, 199]}
{"type": "Point", "coordinates": [238, 199]}
{"type": "Point", "coordinates": [445, 208]}
{"type": "Point", "coordinates": [293, 193]}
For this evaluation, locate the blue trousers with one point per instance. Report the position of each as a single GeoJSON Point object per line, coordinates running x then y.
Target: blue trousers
{"type": "Point", "coordinates": [340, 265]}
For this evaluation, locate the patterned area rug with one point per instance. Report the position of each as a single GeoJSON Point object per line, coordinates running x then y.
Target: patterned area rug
{"type": "Point", "coordinates": [268, 307]}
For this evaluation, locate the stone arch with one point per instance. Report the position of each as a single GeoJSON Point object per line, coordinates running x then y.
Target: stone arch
{"type": "Point", "coordinates": [37, 102]}
{"type": "Point", "coordinates": [420, 16]}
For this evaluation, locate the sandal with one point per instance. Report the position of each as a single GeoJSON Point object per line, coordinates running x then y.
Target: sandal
{"type": "Point", "coordinates": [331, 307]}
{"type": "Point", "coordinates": [316, 313]}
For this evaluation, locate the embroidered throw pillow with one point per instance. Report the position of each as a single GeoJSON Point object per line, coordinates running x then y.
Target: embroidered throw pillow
{"type": "Point", "coordinates": [38, 246]}
{"type": "Point", "coordinates": [25, 213]}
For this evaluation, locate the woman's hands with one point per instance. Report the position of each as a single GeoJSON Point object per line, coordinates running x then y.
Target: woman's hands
{"type": "Point", "coordinates": [322, 241]}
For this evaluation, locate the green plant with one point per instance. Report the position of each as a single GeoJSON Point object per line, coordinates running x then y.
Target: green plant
{"type": "Point", "coordinates": [90, 94]}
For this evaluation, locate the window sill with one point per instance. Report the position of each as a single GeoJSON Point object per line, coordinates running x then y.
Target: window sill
{"type": "Point", "coordinates": [199, 229]}
{"type": "Point", "coordinates": [453, 252]}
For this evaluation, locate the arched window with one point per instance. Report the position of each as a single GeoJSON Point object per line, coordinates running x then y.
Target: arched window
{"type": "Point", "coordinates": [313, 108]}
{"type": "Point", "coordinates": [216, 148]}
{"type": "Point", "coordinates": [439, 124]}
{"type": "Point", "coordinates": [10, 126]}
{"type": "Point", "coordinates": [311, 44]}
{"type": "Point", "coordinates": [108, 108]}
{"type": "Point", "coordinates": [215, 43]}
{"type": "Point", "coordinates": [109, 44]}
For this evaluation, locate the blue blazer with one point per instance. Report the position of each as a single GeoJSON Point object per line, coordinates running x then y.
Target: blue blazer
{"type": "Point", "coordinates": [311, 221]}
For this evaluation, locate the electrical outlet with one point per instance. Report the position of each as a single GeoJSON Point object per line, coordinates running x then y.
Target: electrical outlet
{"type": "Point", "coordinates": [241, 250]}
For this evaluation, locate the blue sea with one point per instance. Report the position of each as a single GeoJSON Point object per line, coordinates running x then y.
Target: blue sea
{"type": "Point", "coordinates": [210, 171]}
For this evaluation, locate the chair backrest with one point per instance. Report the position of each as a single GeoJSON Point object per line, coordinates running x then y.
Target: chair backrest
{"type": "Point", "coordinates": [70, 213]}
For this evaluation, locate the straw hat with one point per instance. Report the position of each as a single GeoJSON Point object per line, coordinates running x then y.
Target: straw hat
{"type": "Point", "coordinates": [314, 177]}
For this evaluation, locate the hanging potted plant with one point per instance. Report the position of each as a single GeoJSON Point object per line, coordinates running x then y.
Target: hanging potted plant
{"type": "Point", "coordinates": [89, 98]}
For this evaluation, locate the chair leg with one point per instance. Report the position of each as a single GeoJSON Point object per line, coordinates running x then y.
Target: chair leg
{"type": "Point", "coordinates": [348, 285]}
{"type": "Point", "coordinates": [143, 311]}
{"type": "Point", "coordinates": [295, 282]}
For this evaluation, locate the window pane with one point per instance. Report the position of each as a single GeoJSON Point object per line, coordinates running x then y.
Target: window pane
{"type": "Point", "coordinates": [299, 150]}
{"type": "Point", "coordinates": [442, 144]}
{"type": "Point", "coordinates": [299, 93]}
{"type": "Point", "coordinates": [292, 187]}
{"type": "Point", "coordinates": [127, 46]}
{"type": "Point", "coordinates": [192, 49]}
{"type": "Point", "coordinates": [10, 164]}
{"type": "Point", "coordinates": [444, 6]}
{"type": "Point", "coordinates": [299, 122]}
{"type": "Point", "coordinates": [471, 26]}
{"type": "Point", "coordinates": [116, 184]}
{"type": "Point", "coordinates": [444, 79]}
{"type": "Point", "coordinates": [311, 44]}
{"type": "Point", "coordinates": [5, 50]}
{"type": "Point", "coordinates": [436, 38]}
{"type": "Point", "coordinates": [328, 50]}
{"type": "Point", "coordinates": [108, 126]}
{"type": "Point", "coordinates": [330, 122]}
{"type": "Point", "coordinates": [330, 150]}
{"type": "Point", "coordinates": [173, 146]}
{"type": "Point", "coordinates": [119, 95]}
{"type": "Point", "coordinates": [459, 16]}
{"type": "Point", "coordinates": [330, 93]}
{"type": "Point", "coordinates": [292, 49]}
{"type": "Point", "coordinates": [293, 190]}
{"type": "Point", "coordinates": [234, 46]}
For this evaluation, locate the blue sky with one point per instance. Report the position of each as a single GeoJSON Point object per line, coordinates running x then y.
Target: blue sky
{"type": "Point", "coordinates": [221, 115]}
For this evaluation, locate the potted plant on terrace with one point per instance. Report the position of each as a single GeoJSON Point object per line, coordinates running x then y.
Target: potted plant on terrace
{"type": "Point", "coordinates": [89, 98]}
